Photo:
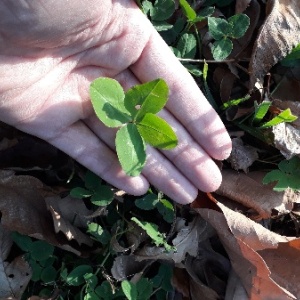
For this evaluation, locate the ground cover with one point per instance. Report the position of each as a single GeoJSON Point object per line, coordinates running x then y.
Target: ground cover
{"type": "Point", "coordinates": [65, 234]}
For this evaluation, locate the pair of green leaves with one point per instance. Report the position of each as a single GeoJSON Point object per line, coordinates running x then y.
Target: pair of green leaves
{"type": "Point", "coordinates": [100, 194]}
{"type": "Point", "coordinates": [152, 201]}
{"type": "Point", "coordinates": [224, 30]}
{"type": "Point", "coordinates": [135, 113]}
{"type": "Point", "coordinates": [262, 109]}
{"type": "Point", "coordinates": [39, 255]}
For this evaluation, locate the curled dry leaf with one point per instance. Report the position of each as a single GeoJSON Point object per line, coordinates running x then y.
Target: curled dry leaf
{"type": "Point", "coordinates": [125, 266]}
{"type": "Point", "coordinates": [24, 209]}
{"type": "Point", "coordinates": [278, 35]}
{"type": "Point", "coordinates": [242, 156]}
{"type": "Point", "coordinates": [14, 275]}
{"type": "Point", "coordinates": [249, 191]}
{"type": "Point", "coordinates": [68, 214]}
{"type": "Point", "coordinates": [186, 241]}
{"type": "Point", "coordinates": [248, 245]}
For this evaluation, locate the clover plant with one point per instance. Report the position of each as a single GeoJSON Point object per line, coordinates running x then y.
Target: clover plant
{"type": "Point", "coordinates": [134, 113]}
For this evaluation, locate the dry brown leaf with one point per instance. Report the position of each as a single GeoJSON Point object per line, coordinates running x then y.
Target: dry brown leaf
{"type": "Point", "coordinates": [125, 266]}
{"type": "Point", "coordinates": [242, 156]}
{"type": "Point", "coordinates": [15, 275]}
{"type": "Point", "coordinates": [68, 214]}
{"type": "Point", "coordinates": [249, 191]}
{"type": "Point", "coordinates": [186, 242]}
{"type": "Point", "coordinates": [24, 210]}
{"type": "Point", "coordinates": [242, 238]}
{"type": "Point", "coordinates": [278, 35]}
{"type": "Point", "coordinates": [287, 139]}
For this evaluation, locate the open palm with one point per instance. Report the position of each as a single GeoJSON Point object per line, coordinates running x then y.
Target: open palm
{"type": "Point", "coordinates": [51, 51]}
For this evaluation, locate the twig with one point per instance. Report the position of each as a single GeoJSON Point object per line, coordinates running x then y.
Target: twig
{"type": "Point", "coordinates": [210, 61]}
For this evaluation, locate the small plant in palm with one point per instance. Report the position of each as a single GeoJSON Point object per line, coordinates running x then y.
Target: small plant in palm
{"type": "Point", "coordinates": [134, 113]}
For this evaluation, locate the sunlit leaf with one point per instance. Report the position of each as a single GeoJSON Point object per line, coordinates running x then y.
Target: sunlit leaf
{"type": "Point", "coordinates": [187, 10]}
{"type": "Point", "coordinates": [148, 97]}
{"type": "Point", "coordinates": [157, 132]}
{"type": "Point", "coordinates": [284, 116]}
{"type": "Point", "coordinates": [130, 148]}
{"type": "Point", "coordinates": [222, 48]}
{"type": "Point", "coordinates": [261, 110]}
{"type": "Point", "coordinates": [129, 289]}
{"type": "Point", "coordinates": [218, 27]}
{"type": "Point", "coordinates": [107, 98]}
{"type": "Point", "coordinates": [239, 25]}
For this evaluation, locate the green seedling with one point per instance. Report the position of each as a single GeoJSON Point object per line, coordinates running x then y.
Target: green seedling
{"type": "Point", "coordinates": [39, 255]}
{"type": "Point", "coordinates": [223, 31]}
{"type": "Point", "coordinates": [134, 113]}
{"type": "Point", "coordinates": [287, 176]}
{"type": "Point", "coordinates": [100, 194]}
{"type": "Point", "coordinates": [261, 110]}
{"type": "Point", "coordinates": [152, 201]}
{"type": "Point", "coordinates": [153, 232]}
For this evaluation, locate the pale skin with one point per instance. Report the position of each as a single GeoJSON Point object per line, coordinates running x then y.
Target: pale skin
{"type": "Point", "coordinates": [49, 54]}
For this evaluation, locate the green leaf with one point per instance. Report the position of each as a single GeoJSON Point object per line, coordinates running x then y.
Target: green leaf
{"type": "Point", "coordinates": [147, 6]}
{"type": "Point", "coordinates": [162, 10]}
{"type": "Point", "coordinates": [288, 175]}
{"type": "Point", "coordinates": [103, 196]}
{"type": "Point", "coordinates": [102, 235]}
{"type": "Point", "coordinates": [149, 97]}
{"type": "Point", "coordinates": [148, 202]}
{"type": "Point", "coordinates": [24, 242]}
{"type": "Point", "coordinates": [235, 102]}
{"type": "Point", "coordinates": [260, 110]}
{"type": "Point", "coordinates": [92, 181]}
{"type": "Point", "coordinates": [292, 58]}
{"type": "Point", "coordinates": [166, 209]}
{"type": "Point", "coordinates": [152, 230]}
{"type": "Point", "coordinates": [239, 25]}
{"type": "Point", "coordinates": [107, 98]}
{"type": "Point", "coordinates": [129, 290]}
{"type": "Point", "coordinates": [206, 12]}
{"type": "Point", "coordinates": [162, 26]}
{"type": "Point", "coordinates": [36, 270]}
{"type": "Point", "coordinates": [80, 193]}
{"type": "Point", "coordinates": [284, 116]}
{"type": "Point", "coordinates": [41, 250]}
{"type": "Point", "coordinates": [218, 27]}
{"type": "Point", "coordinates": [221, 49]}
{"type": "Point", "coordinates": [187, 10]}
{"type": "Point", "coordinates": [76, 276]}
{"type": "Point", "coordinates": [48, 274]}
{"type": "Point", "coordinates": [131, 149]}
{"type": "Point", "coordinates": [104, 291]}
{"type": "Point", "coordinates": [187, 45]}
{"type": "Point", "coordinates": [163, 277]}
{"type": "Point", "coordinates": [91, 295]}
{"type": "Point", "coordinates": [194, 70]}
{"type": "Point", "coordinates": [144, 289]}
{"type": "Point", "coordinates": [157, 132]}
{"type": "Point", "coordinates": [91, 280]}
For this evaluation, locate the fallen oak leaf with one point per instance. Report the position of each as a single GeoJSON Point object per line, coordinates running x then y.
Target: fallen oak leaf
{"type": "Point", "coordinates": [277, 37]}
{"type": "Point", "coordinates": [242, 239]}
{"type": "Point", "coordinates": [24, 210]}
{"type": "Point", "coordinates": [68, 214]}
{"type": "Point", "coordinates": [249, 191]}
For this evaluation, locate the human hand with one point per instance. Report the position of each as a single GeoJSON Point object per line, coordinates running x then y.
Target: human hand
{"type": "Point", "coordinates": [49, 54]}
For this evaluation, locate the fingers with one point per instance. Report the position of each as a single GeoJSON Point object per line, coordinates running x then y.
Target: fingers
{"type": "Point", "coordinates": [83, 145]}
{"type": "Point", "coordinates": [158, 170]}
{"type": "Point", "coordinates": [186, 101]}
